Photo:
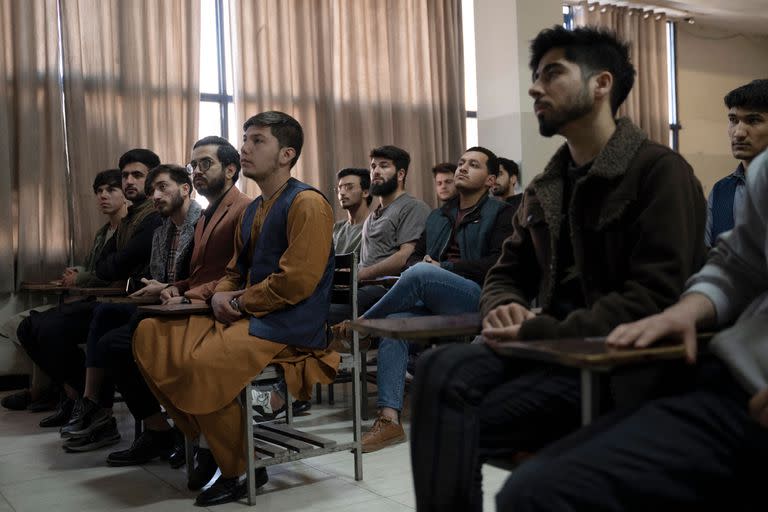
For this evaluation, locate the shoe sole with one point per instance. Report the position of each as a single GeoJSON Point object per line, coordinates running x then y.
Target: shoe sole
{"type": "Point", "coordinates": [93, 446]}
{"type": "Point", "coordinates": [124, 463]}
{"type": "Point", "coordinates": [383, 444]}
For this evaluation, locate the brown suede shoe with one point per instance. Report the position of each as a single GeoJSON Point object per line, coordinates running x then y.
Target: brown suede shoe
{"type": "Point", "coordinates": [341, 340]}
{"type": "Point", "coordinates": [383, 433]}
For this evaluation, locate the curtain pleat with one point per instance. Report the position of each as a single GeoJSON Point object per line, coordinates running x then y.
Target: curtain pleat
{"type": "Point", "coordinates": [356, 74]}
{"type": "Point", "coordinates": [34, 227]}
{"type": "Point", "coordinates": [131, 75]}
{"type": "Point", "coordinates": [645, 31]}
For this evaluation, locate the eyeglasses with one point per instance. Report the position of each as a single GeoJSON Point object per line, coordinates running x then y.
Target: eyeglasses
{"type": "Point", "coordinates": [203, 163]}
{"type": "Point", "coordinates": [346, 187]}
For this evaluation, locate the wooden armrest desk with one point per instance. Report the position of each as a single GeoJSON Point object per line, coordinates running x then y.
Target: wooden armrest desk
{"type": "Point", "coordinates": [50, 288]}
{"type": "Point", "coordinates": [591, 356]}
{"type": "Point", "coordinates": [137, 301]}
{"type": "Point", "coordinates": [385, 281]}
{"type": "Point", "coordinates": [594, 358]}
{"type": "Point", "coordinates": [420, 328]}
{"type": "Point", "coordinates": [100, 291]}
{"type": "Point", "coordinates": [175, 309]}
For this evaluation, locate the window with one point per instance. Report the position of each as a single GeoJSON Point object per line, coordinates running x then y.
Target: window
{"type": "Point", "coordinates": [470, 71]}
{"type": "Point", "coordinates": [674, 123]}
{"type": "Point", "coordinates": [217, 111]}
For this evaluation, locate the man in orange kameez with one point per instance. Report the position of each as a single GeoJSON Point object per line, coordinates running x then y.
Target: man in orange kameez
{"type": "Point", "coordinates": [269, 308]}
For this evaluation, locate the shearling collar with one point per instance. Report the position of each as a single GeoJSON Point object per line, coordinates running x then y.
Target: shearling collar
{"type": "Point", "coordinates": [612, 162]}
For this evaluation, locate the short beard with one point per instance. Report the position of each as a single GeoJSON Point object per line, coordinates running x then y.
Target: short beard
{"type": "Point", "coordinates": [385, 188]}
{"type": "Point", "coordinates": [582, 106]}
{"type": "Point", "coordinates": [177, 202]}
{"type": "Point", "coordinates": [500, 192]}
{"type": "Point", "coordinates": [214, 188]}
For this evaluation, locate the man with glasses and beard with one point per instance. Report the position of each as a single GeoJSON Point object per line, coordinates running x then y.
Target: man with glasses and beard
{"type": "Point", "coordinates": [607, 234]}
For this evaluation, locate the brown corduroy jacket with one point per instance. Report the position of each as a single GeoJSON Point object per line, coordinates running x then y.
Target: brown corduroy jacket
{"type": "Point", "coordinates": [637, 222]}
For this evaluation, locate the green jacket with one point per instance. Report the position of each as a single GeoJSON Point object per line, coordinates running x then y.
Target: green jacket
{"type": "Point", "coordinates": [86, 275]}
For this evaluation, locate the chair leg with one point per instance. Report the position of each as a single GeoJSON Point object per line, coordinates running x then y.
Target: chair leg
{"type": "Point", "coordinates": [289, 409]}
{"type": "Point", "coordinates": [331, 398]}
{"type": "Point", "coordinates": [364, 381]}
{"type": "Point", "coordinates": [319, 393]}
{"type": "Point", "coordinates": [138, 428]}
{"type": "Point", "coordinates": [189, 449]}
{"type": "Point", "coordinates": [357, 396]}
{"type": "Point", "coordinates": [247, 401]}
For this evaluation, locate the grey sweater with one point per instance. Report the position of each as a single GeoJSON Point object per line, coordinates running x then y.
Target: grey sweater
{"type": "Point", "coordinates": [735, 279]}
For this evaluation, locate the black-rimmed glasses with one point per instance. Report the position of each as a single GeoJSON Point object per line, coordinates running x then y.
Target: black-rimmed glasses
{"type": "Point", "coordinates": [204, 164]}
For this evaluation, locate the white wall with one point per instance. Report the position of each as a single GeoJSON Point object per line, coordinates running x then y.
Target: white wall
{"type": "Point", "coordinates": [710, 63]}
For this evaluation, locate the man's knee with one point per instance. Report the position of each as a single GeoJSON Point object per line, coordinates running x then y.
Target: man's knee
{"type": "Point", "coordinates": [24, 332]}
{"type": "Point", "coordinates": [446, 372]}
{"type": "Point", "coordinates": [528, 490]}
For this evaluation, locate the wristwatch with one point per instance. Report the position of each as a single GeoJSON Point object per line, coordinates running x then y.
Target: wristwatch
{"type": "Point", "coordinates": [185, 300]}
{"type": "Point", "coordinates": [235, 303]}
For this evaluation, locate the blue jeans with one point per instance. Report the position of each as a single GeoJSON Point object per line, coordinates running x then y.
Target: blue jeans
{"type": "Point", "coordinates": [423, 289]}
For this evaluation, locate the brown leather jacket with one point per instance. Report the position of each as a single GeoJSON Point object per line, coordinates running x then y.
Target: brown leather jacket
{"type": "Point", "coordinates": [637, 222]}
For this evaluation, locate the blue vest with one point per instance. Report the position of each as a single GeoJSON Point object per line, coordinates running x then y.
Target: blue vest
{"type": "Point", "coordinates": [722, 205]}
{"type": "Point", "coordinates": [302, 324]}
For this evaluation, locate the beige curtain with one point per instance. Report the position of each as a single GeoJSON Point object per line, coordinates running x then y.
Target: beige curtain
{"type": "Point", "coordinates": [131, 75]}
{"type": "Point", "coordinates": [356, 74]}
{"type": "Point", "coordinates": [34, 231]}
{"type": "Point", "coordinates": [647, 103]}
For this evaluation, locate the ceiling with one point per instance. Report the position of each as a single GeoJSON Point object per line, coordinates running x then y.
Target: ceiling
{"type": "Point", "coordinates": [741, 16]}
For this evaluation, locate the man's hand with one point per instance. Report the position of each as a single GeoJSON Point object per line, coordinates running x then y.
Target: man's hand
{"type": "Point", "coordinates": [222, 309]}
{"type": "Point", "coordinates": [69, 277]}
{"type": "Point", "coordinates": [152, 288]}
{"type": "Point", "coordinates": [428, 259]}
{"type": "Point", "coordinates": [503, 322]}
{"type": "Point", "coordinates": [169, 293]}
{"type": "Point", "coordinates": [758, 407]}
{"type": "Point", "coordinates": [173, 300]}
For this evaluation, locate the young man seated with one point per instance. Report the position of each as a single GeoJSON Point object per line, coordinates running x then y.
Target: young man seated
{"type": "Point", "coordinates": [608, 233]}
{"type": "Point", "coordinates": [52, 338]}
{"type": "Point", "coordinates": [445, 183]}
{"type": "Point", "coordinates": [460, 243]}
{"type": "Point", "coordinates": [748, 132]}
{"type": "Point", "coordinates": [353, 191]}
{"type": "Point", "coordinates": [270, 308]}
{"type": "Point", "coordinates": [700, 450]}
{"type": "Point", "coordinates": [215, 168]}
{"type": "Point", "coordinates": [91, 425]}
{"type": "Point", "coordinates": [391, 231]}
{"type": "Point", "coordinates": [112, 203]}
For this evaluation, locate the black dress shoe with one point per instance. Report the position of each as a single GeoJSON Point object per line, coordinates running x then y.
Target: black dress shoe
{"type": "Point", "coordinates": [151, 444]}
{"type": "Point", "coordinates": [47, 401]}
{"type": "Point", "coordinates": [60, 416]}
{"type": "Point", "coordinates": [178, 456]}
{"type": "Point", "coordinates": [87, 416]}
{"type": "Point", "coordinates": [204, 470]}
{"type": "Point", "coordinates": [225, 490]}
{"type": "Point", "coordinates": [301, 406]}
{"type": "Point", "coordinates": [17, 401]}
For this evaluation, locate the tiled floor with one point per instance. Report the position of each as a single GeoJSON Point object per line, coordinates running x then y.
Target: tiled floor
{"type": "Point", "coordinates": [37, 475]}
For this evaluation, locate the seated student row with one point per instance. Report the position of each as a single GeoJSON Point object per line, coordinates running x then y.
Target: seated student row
{"type": "Point", "coordinates": [563, 290]}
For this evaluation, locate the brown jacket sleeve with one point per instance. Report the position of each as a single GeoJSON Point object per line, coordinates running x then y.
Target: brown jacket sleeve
{"type": "Point", "coordinates": [515, 276]}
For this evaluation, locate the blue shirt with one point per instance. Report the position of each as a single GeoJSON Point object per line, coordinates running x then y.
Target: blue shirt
{"type": "Point", "coordinates": [738, 202]}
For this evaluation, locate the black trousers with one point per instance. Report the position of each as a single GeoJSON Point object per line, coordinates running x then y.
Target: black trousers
{"type": "Point", "coordinates": [52, 339]}
{"type": "Point", "coordinates": [694, 451]}
{"type": "Point", "coordinates": [367, 296]}
{"type": "Point", "coordinates": [117, 343]}
{"type": "Point", "coordinates": [470, 405]}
